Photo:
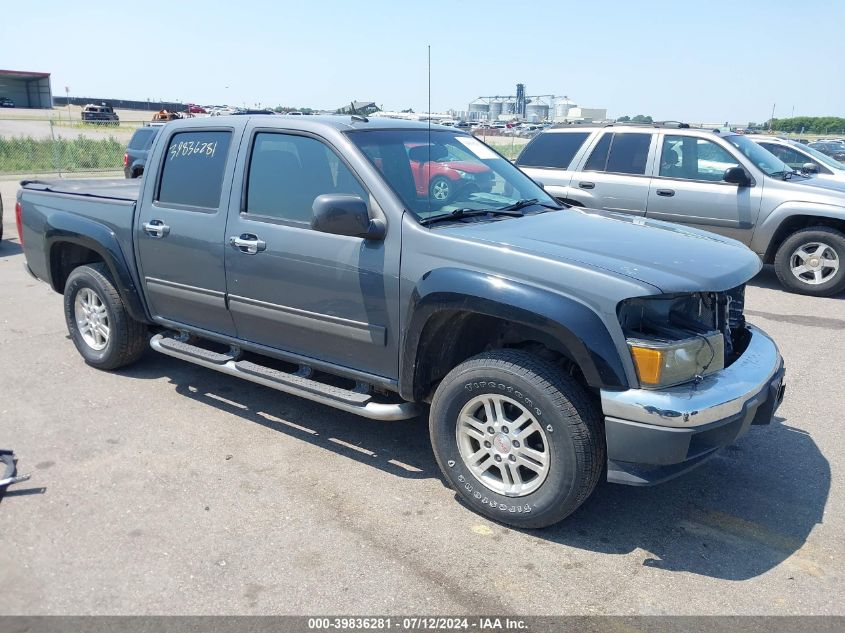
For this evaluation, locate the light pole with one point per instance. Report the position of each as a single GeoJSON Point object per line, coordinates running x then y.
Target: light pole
{"type": "Point", "coordinates": [67, 99]}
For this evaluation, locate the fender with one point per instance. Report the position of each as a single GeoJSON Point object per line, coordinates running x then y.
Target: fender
{"type": "Point", "coordinates": [578, 330]}
{"type": "Point", "coordinates": [63, 227]}
{"type": "Point", "coordinates": [767, 229]}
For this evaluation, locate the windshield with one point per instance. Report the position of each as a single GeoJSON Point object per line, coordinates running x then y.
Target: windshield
{"type": "Point", "coordinates": [822, 158]}
{"type": "Point", "coordinates": [442, 171]}
{"type": "Point", "coordinates": [762, 158]}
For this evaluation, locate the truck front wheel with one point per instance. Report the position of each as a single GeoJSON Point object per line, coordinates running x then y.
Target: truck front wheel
{"type": "Point", "coordinates": [519, 441]}
{"type": "Point", "coordinates": [98, 322]}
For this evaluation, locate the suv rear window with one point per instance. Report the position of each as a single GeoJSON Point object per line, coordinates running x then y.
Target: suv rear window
{"type": "Point", "coordinates": [143, 138]}
{"type": "Point", "coordinates": [620, 153]}
{"type": "Point", "coordinates": [552, 150]}
{"type": "Point", "coordinates": [192, 174]}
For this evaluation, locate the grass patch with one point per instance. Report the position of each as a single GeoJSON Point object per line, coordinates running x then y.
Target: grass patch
{"type": "Point", "coordinates": [29, 155]}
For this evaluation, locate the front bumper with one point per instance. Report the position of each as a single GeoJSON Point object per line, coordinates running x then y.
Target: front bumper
{"type": "Point", "coordinates": [655, 435]}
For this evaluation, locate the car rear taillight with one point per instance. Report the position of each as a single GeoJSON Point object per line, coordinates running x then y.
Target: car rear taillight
{"type": "Point", "coordinates": [126, 159]}
{"type": "Point", "coordinates": [18, 221]}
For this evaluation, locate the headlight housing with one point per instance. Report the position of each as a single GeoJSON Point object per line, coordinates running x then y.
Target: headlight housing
{"type": "Point", "coordinates": [673, 338]}
{"type": "Point", "coordinates": [665, 362]}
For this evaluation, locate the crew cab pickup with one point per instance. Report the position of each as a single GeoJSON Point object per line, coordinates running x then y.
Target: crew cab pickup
{"type": "Point", "coordinates": [549, 346]}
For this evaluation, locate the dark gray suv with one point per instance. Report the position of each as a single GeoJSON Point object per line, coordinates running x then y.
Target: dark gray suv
{"type": "Point", "coordinates": [717, 181]}
{"type": "Point", "coordinates": [135, 158]}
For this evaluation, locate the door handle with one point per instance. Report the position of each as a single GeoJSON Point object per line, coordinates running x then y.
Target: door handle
{"type": "Point", "coordinates": [668, 193]}
{"type": "Point", "coordinates": [156, 228]}
{"type": "Point", "coordinates": [587, 185]}
{"type": "Point", "coordinates": [248, 243]}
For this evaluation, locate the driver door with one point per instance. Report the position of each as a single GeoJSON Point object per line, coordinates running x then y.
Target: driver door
{"type": "Point", "coordinates": [298, 290]}
{"type": "Point", "coordinates": [687, 188]}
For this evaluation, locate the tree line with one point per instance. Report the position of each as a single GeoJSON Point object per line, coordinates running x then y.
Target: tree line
{"type": "Point", "coordinates": [810, 125]}
{"type": "Point", "coordinates": [639, 118]}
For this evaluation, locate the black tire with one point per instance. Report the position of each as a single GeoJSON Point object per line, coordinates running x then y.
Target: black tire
{"type": "Point", "coordinates": [812, 237]}
{"type": "Point", "coordinates": [441, 190]}
{"type": "Point", "coordinates": [570, 423]}
{"type": "Point", "coordinates": [127, 339]}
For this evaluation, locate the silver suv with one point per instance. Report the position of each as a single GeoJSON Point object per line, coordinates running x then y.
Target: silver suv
{"type": "Point", "coordinates": [717, 181]}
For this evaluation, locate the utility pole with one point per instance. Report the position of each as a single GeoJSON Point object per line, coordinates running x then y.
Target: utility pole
{"type": "Point", "coordinates": [67, 98]}
{"type": "Point", "coordinates": [772, 119]}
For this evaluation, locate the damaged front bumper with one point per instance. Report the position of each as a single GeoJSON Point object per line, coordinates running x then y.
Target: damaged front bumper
{"type": "Point", "coordinates": [655, 435]}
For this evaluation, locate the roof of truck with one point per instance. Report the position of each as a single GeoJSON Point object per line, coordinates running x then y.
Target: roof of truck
{"type": "Point", "coordinates": [340, 122]}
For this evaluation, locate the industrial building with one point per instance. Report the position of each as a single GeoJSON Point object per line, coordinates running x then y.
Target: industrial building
{"type": "Point", "coordinates": [577, 114]}
{"type": "Point", "coordinates": [26, 89]}
{"type": "Point", "coordinates": [532, 108]}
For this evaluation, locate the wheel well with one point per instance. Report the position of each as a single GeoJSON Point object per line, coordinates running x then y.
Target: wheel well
{"type": "Point", "coordinates": [64, 257]}
{"type": "Point", "coordinates": [452, 336]}
{"type": "Point", "coordinates": [796, 223]}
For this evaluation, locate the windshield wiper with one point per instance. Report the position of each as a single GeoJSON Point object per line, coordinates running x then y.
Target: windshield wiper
{"type": "Point", "coordinates": [786, 175]}
{"type": "Point", "coordinates": [459, 214]}
{"type": "Point", "coordinates": [532, 202]}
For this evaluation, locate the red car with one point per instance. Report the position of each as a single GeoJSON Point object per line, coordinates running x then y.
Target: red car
{"type": "Point", "coordinates": [448, 174]}
{"type": "Point", "coordinates": [193, 108]}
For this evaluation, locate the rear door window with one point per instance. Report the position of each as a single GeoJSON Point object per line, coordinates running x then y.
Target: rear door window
{"type": "Point", "coordinates": [628, 154]}
{"type": "Point", "coordinates": [192, 173]}
{"type": "Point", "coordinates": [620, 153]}
{"type": "Point", "coordinates": [554, 150]}
{"type": "Point", "coordinates": [598, 159]}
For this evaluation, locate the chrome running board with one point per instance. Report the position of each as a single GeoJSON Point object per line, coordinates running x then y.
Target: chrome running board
{"type": "Point", "coordinates": [351, 401]}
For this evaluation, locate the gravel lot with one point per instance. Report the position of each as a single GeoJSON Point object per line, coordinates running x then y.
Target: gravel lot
{"type": "Point", "coordinates": [165, 488]}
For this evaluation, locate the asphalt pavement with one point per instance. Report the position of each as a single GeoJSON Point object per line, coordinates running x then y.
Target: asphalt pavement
{"type": "Point", "coordinates": [164, 488]}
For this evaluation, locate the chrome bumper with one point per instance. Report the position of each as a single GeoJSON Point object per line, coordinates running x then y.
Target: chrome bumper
{"type": "Point", "coordinates": [717, 397]}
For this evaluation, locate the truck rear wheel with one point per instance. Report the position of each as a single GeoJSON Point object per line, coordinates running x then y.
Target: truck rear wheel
{"type": "Point", "coordinates": [519, 441]}
{"type": "Point", "coordinates": [812, 262]}
{"type": "Point", "coordinates": [101, 328]}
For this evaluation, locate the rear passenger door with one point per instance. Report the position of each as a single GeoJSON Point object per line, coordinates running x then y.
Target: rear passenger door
{"type": "Point", "coordinates": [616, 174]}
{"type": "Point", "coordinates": [180, 229]}
{"type": "Point", "coordinates": [689, 188]}
{"type": "Point", "coordinates": [301, 291]}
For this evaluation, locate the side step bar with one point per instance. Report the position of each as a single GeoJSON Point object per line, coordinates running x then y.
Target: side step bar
{"type": "Point", "coordinates": [344, 399]}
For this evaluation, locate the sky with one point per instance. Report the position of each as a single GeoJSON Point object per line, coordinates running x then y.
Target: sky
{"type": "Point", "coordinates": [693, 61]}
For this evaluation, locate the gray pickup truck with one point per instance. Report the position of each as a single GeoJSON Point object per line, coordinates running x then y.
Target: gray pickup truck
{"type": "Point", "coordinates": [383, 267]}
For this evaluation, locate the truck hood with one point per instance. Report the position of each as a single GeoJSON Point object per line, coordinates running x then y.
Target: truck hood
{"type": "Point", "coordinates": [667, 256]}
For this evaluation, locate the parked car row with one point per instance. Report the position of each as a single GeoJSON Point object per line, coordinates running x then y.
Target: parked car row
{"type": "Point", "coordinates": [834, 149]}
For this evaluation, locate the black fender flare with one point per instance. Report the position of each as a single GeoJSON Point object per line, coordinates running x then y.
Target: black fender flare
{"type": "Point", "coordinates": [579, 330]}
{"type": "Point", "coordinates": [64, 228]}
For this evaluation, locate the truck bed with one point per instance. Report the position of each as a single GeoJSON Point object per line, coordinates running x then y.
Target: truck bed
{"type": "Point", "coordinates": [108, 188]}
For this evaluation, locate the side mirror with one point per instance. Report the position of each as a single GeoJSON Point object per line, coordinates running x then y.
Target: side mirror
{"type": "Point", "coordinates": [736, 176]}
{"type": "Point", "coordinates": [809, 168]}
{"type": "Point", "coordinates": [345, 214]}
